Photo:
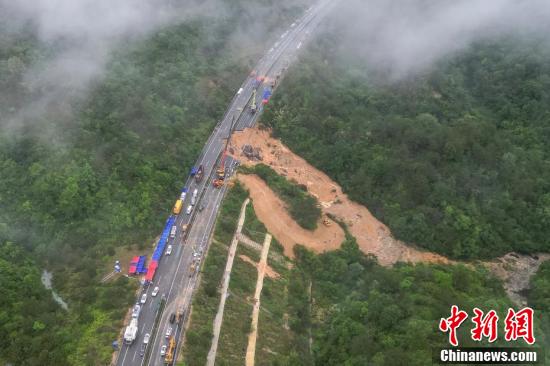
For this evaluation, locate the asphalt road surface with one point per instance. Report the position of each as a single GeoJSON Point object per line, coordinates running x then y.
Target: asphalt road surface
{"type": "Point", "coordinates": [177, 273]}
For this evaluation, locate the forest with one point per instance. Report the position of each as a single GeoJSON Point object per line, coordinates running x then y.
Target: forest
{"type": "Point", "coordinates": [455, 159]}
{"type": "Point", "coordinates": [99, 173]}
{"type": "Point", "coordinates": [301, 206]}
{"type": "Point", "coordinates": [360, 313]}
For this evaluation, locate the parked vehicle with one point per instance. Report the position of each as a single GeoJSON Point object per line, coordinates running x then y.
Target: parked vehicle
{"type": "Point", "coordinates": [155, 291]}
{"type": "Point", "coordinates": [163, 350]}
{"type": "Point", "coordinates": [136, 310]}
{"type": "Point", "coordinates": [199, 174]}
{"type": "Point", "coordinates": [189, 209]}
{"type": "Point", "coordinates": [143, 299]}
{"type": "Point", "coordinates": [169, 250]}
{"type": "Point", "coordinates": [183, 194]}
{"type": "Point", "coordinates": [172, 318]}
{"type": "Point", "coordinates": [131, 331]}
{"type": "Point", "coordinates": [177, 207]}
{"type": "Point", "coordinates": [168, 332]}
{"type": "Point", "coordinates": [194, 196]}
{"type": "Point", "coordinates": [173, 231]}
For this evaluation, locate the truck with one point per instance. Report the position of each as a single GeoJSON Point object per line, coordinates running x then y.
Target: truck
{"type": "Point", "coordinates": [253, 105]}
{"type": "Point", "coordinates": [170, 353]}
{"type": "Point", "coordinates": [177, 207]}
{"type": "Point", "coordinates": [173, 232]}
{"type": "Point", "coordinates": [194, 196]}
{"type": "Point", "coordinates": [199, 174]}
{"type": "Point", "coordinates": [131, 331]}
{"type": "Point", "coordinates": [183, 194]}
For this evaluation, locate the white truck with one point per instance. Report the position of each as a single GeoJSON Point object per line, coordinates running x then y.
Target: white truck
{"type": "Point", "coordinates": [131, 331]}
{"type": "Point", "coordinates": [173, 232]}
{"type": "Point", "coordinates": [194, 197]}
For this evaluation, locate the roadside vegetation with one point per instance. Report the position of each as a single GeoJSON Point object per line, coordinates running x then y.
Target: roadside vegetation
{"type": "Point", "coordinates": [539, 300]}
{"type": "Point", "coordinates": [102, 172]}
{"type": "Point", "coordinates": [455, 159]}
{"type": "Point", "coordinates": [302, 206]}
{"type": "Point", "coordinates": [206, 298]}
{"type": "Point", "coordinates": [274, 337]}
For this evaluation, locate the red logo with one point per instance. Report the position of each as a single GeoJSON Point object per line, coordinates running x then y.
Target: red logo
{"type": "Point", "coordinates": [486, 326]}
{"type": "Point", "coordinates": [517, 325]}
{"type": "Point", "coordinates": [452, 323]}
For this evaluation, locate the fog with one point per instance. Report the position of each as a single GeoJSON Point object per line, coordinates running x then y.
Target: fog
{"type": "Point", "coordinates": [404, 37]}
{"type": "Point", "coordinates": [81, 37]}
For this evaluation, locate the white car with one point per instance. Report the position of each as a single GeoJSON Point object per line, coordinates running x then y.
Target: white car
{"type": "Point", "coordinates": [136, 310]}
{"type": "Point", "coordinates": [168, 332]}
{"type": "Point", "coordinates": [163, 350]}
{"type": "Point", "coordinates": [189, 209]}
{"type": "Point", "coordinates": [146, 338]}
{"type": "Point", "coordinates": [143, 298]}
{"type": "Point", "coordinates": [169, 250]}
{"type": "Point", "coordinates": [155, 291]}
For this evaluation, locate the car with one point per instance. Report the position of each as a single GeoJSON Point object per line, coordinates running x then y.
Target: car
{"type": "Point", "coordinates": [136, 310]}
{"type": "Point", "coordinates": [142, 349]}
{"type": "Point", "coordinates": [163, 350]}
{"type": "Point", "coordinates": [202, 206]}
{"type": "Point", "coordinates": [146, 338]}
{"type": "Point", "coordinates": [155, 291]}
{"type": "Point", "coordinates": [189, 209]}
{"type": "Point", "coordinates": [143, 299]}
{"type": "Point", "coordinates": [169, 250]}
{"type": "Point", "coordinates": [172, 318]}
{"type": "Point", "coordinates": [168, 332]}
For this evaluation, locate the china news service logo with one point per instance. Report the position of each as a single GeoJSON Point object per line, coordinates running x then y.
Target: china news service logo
{"type": "Point", "coordinates": [517, 326]}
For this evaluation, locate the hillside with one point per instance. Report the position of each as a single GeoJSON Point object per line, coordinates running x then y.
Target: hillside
{"type": "Point", "coordinates": [455, 159]}
{"type": "Point", "coordinates": [95, 174]}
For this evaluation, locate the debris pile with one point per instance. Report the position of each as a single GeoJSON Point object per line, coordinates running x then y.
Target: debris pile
{"type": "Point", "coordinates": [252, 153]}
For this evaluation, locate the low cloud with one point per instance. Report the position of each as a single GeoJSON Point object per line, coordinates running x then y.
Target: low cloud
{"type": "Point", "coordinates": [407, 36]}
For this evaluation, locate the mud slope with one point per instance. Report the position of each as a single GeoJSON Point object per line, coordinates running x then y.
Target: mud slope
{"type": "Point", "coordinates": [271, 211]}
{"type": "Point", "coordinates": [372, 236]}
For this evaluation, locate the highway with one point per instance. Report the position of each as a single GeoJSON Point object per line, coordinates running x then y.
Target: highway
{"type": "Point", "coordinates": [178, 273]}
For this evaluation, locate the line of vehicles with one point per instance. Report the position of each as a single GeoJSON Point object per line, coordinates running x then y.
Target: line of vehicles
{"type": "Point", "coordinates": [137, 266]}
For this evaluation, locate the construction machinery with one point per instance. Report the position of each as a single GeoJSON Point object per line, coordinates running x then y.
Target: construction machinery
{"type": "Point", "coordinates": [253, 104]}
{"type": "Point", "coordinates": [170, 353]}
{"type": "Point", "coordinates": [220, 172]}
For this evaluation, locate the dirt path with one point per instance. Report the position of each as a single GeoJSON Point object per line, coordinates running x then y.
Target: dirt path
{"type": "Point", "coordinates": [251, 349]}
{"type": "Point", "coordinates": [211, 358]}
{"type": "Point", "coordinates": [373, 237]}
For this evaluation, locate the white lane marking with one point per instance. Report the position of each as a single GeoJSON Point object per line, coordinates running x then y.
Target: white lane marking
{"type": "Point", "coordinates": [125, 353]}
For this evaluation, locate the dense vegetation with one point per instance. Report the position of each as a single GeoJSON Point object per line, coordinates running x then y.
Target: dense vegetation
{"type": "Point", "coordinates": [456, 159]}
{"type": "Point", "coordinates": [273, 337]}
{"type": "Point", "coordinates": [539, 300]}
{"type": "Point", "coordinates": [31, 322]}
{"type": "Point", "coordinates": [100, 172]}
{"type": "Point", "coordinates": [302, 206]}
{"type": "Point", "coordinates": [360, 313]}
